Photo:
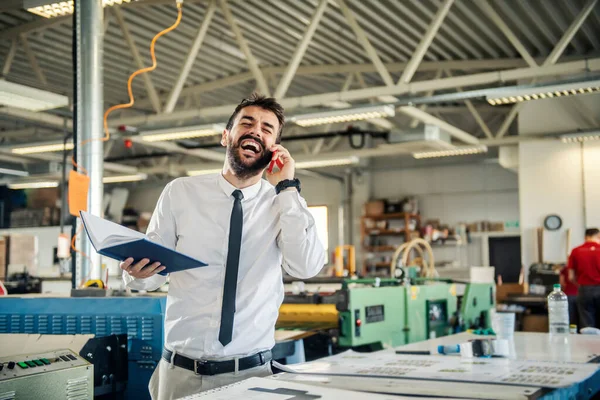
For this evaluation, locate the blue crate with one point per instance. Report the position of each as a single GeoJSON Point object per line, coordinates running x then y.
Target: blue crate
{"type": "Point", "coordinates": [141, 318]}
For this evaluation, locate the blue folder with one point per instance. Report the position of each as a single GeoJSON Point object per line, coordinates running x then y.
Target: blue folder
{"type": "Point", "coordinates": [144, 248]}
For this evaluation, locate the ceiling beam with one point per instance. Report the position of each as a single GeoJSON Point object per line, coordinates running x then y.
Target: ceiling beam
{"type": "Point", "coordinates": [564, 41]}
{"type": "Point", "coordinates": [10, 56]}
{"type": "Point", "coordinates": [214, 113]}
{"type": "Point", "coordinates": [252, 63]}
{"type": "Point", "coordinates": [475, 114]}
{"type": "Point", "coordinates": [497, 20]}
{"type": "Point", "coordinates": [190, 59]}
{"type": "Point", "coordinates": [35, 26]}
{"type": "Point", "coordinates": [430, 119]}
{"type": "Point", "coordinates": [304, 70]}
{"type": "Point", "coordinates": [292, 67]}
{"type": "Point", "coordinates": [415, 122]}
{"type": "Point", "coordinates": [365, 43]}
{"type": "Point", "coordinates": [174, 148]}
{"type": "Point", "coordinates": [485, 78]}
{"type": "Point", "coordinates": [426, 40]}
{"type": "Point", "coordinates": [33, 61]}
{"type": "Point", "coordinates": [137, 58]}
{"type": "Point", "coordinates": [551, 60]}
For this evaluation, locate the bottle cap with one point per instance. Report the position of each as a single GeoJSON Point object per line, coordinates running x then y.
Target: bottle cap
{"type": "Point", "coordinates": [557, 286]}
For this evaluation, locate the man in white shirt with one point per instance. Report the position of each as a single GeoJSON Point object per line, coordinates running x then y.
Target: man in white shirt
{"type": "Point", "coordinates": [220, 319]}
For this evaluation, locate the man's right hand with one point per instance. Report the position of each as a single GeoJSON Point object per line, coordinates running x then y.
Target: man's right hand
{"type": "Point", "coordinates": [141, 270]}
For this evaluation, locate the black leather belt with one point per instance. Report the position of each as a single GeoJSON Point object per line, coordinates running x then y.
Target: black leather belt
{"type": "Point", "coordinates": [203, 367]}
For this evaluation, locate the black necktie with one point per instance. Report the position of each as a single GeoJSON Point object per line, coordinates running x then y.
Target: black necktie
{"type": "Point", "coordinates": [231, 271]}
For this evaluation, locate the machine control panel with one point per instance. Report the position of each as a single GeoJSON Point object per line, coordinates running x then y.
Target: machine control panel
{"type": "Point", "coordinates": [31, 364]}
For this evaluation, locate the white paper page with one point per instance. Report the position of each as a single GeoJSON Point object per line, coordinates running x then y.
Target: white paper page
{"type": "Point", "coordinates": [493, 370]}
{"type": "Point", "coordinates": [105, 233]}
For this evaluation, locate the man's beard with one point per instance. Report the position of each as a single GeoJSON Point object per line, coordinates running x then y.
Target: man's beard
{"type": "Point", "coordinates": [242, 168]}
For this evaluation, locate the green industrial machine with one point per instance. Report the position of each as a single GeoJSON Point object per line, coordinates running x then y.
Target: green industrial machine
{"type": "Point", "coordinates": [385, 312]}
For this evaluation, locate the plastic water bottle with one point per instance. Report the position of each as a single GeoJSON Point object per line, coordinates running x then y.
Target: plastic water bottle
{"type": "Point", "coordinates": [558, 312]}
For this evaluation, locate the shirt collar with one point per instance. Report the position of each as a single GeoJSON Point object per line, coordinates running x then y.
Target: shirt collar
{"type": "Point", "coordinates": [248, 192]}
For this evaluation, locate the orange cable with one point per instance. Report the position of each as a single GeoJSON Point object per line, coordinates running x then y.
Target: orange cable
{"type": "Point", "coordinates": [130, 81]}
{"type": "Point", "coordinates": [124, 105]}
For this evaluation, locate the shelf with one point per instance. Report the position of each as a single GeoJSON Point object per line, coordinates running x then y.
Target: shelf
{"type": "Point", "coordinates": [382, 232]}
{"type": "Point", "coordinates": [381, 265]}
{"type": "Point", "coordinates": [495, 234]}
{"type": "Point", "coordinates": [446, 245]}
{"type": "Point", "coordinates": [374, 249]}
{"type": "Point", "coordinates": [390, 216]}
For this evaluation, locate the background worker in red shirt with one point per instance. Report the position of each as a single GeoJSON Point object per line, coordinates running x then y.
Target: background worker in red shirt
{"type": "Point", "coordinates": [584, 265]}
{"type": "Point", "coordinates": [570, 288]}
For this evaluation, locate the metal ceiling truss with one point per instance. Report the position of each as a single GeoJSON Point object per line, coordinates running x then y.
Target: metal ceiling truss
{"type": "Point", "coordinates": [316, 55]}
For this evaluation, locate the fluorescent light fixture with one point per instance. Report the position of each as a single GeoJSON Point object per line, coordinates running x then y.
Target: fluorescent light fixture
{"type": "Point", "coordinates": [345, 115]}
{"type": "Point", "coordinates": [580, 137]}
{"type": "Point", "coordinates": [543, 92]}
{"type": "Point", "coordinates": [29, 98]}
{"type": "Point", "coordinates": [124, 178]}
{"type": "Point", "coordinates": [16, 172]}
{"type": "Point", "coordinates": [188, 132]}
{"type": "Point", "coordinates": [333, 162]}
{"type": "Point", "coordinates": [45, 148]}
{"type": "Point", "coordinates": [59, 8]}
{"type": "Point", "coordinates": [457, 151]}
{"type": "Point", "coordinates": [204, 171]}
{"type": "Point", "coordinates": [33, 185]}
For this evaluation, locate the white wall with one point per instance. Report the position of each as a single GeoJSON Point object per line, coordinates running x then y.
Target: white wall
{"type": "Point", "coordinates": [551, 174]}
{"type": "Point", "coordinates": [550, 183]}
{"type": "Point", "coordinates": [453, 194]}
{"type": "Point", "coordinates": [47, 240]}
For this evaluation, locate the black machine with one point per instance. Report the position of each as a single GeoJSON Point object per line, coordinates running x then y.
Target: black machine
{"type": "Point", "coordinates": [545, 274]}
{"type": "Point", "coordinates": [22, 283]}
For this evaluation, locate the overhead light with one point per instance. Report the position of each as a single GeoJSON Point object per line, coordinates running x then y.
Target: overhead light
{"type": "Point", "coordinates": [204, 171]}
{"type": "Point", "coordinates": [29, 98]}
{"type": "Point", "coordinates": [16, 172]}
{"type": "Point", "coordinates": [59, 8]}
{"type": "Point", "coordinates": [182, 133]}
{"type": "Point", "coordinates": [511, 96]}
{"type": "Point", "coordinates": [344, 115]}
{"type": "Point", "coordinates": [46, 148]}
{"type": "Point", "coordinates": [124, 178]}
{"type": "Point", "coordinates": [333, 162]}
{"type": "Point", "coordinates": [33, 185]}
{"type": "Point", "coordinates": [457, 151]}
{"type": "Point", "coordinates": [580, 137]}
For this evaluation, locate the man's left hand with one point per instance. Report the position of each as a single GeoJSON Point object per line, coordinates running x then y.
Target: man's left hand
{"type": "Point", "coordinates": [289, 165]}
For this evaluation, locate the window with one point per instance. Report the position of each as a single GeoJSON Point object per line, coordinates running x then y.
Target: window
{"type": "Point", "coordinates": [319, 213]}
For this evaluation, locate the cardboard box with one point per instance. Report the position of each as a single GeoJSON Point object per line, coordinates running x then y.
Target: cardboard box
{"type": "Point", "coordinates": [496, 226]}
{"type": "Point", "coordinates": [23, 251]}
{"type": "Point", "coordinates": [506, 289]}
{"type": "Point", "coordinates": [41, 198]}
{"type": "Point", "coordinates": [535, 323]}
{"type": "Point", "coordinates": [374, 208]}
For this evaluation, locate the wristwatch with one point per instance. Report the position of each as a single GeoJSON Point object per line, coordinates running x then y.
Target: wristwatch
{"type": "Point", "coordinates": [287, 183]}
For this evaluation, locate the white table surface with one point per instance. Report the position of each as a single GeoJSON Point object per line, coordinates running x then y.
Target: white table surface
{"type": "Point", "coordinates": [530, 346]}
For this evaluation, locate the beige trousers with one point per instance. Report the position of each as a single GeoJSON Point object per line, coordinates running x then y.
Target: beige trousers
{"type": "Point", "coordinates": [171, 382]}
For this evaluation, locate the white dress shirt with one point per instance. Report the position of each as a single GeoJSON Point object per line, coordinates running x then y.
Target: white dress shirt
{"type": "Point", "coordinates": [193, 216]}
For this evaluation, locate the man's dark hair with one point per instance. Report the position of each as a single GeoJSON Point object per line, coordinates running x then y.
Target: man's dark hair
{"type": "Point", "coordinates": [264, 102]}
{"type": "Point", "coordinates": [591, 232]}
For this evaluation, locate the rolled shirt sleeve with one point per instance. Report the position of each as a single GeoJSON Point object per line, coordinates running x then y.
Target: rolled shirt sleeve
{"type": "Point", "coordinates": [302, 251]}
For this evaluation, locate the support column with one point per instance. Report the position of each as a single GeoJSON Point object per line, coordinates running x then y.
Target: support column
{"type": "Point", "coordinates": [90, 32]}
